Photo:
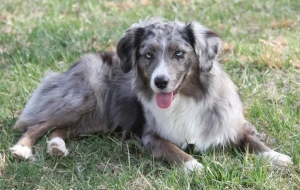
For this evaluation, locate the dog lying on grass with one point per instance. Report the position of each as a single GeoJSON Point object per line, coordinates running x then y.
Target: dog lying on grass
{"type": "Point", "coordinates": [164, 84]}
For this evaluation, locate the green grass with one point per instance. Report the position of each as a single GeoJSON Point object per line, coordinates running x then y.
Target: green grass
{"type": "Point", "coordinates": [262, 45]}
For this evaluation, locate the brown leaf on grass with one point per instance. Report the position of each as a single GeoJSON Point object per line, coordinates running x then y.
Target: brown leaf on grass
{"type": "Point", "coordinates": [145, 2]}
{"type": "Point", "coordinates": [17, 113]}
{"type": "Point", "coordinates": [3, 49]}
{"type": "Point", "coordinates": [3, 18]}
{"type": "Point", "coordinates": [222, 26]}
{"type": "Point", "coordinates": [228, 47]}
{"type": "Point", "coordinates": [295, 63]}
{"type": "Point", "coordinates": [6, 17]}
{"type": "Point", "coordinates": [282, 24]}
{"type": "Point", "coordinates": [129, 5]}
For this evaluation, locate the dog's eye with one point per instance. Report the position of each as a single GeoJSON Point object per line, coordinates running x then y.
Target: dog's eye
{"type": "Point", "coordinates": [148, 56]}
{"type": "Point", "coordinates": [179, 54]}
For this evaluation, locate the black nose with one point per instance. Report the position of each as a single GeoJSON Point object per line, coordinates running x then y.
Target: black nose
{"type": "Point", "coordinates": [161, 82]}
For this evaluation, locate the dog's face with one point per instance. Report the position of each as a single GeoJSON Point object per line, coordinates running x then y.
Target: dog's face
{"type": "Point", "coordinates": [164, 52]}
{"type": "Point", "coordinates": [164, 57]}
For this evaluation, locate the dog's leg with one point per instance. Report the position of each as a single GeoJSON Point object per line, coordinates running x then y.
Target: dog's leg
{"type": "Point", "coordinates": [162, 148]}
{"type": "Point", "coordinates": [251, 141]}
{"type": "Point", "coordinates": [56, 145]}
{"type": "Point", "coordinates": [23, 148]}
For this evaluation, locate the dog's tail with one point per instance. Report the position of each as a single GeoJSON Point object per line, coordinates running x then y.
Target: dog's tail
{"type": "Point", "coordinates": [20, 125]}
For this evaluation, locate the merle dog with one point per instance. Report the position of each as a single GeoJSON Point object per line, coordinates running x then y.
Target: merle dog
{"type": "Point", "coordinates": [164, 84]}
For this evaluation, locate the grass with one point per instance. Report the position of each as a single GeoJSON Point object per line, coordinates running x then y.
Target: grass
{"type": "Point", "coordinates": [262, 56]}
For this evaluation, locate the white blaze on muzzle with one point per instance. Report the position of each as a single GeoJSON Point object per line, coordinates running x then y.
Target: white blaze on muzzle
{"type": "Point", "coordinates": [160, 71]}
{"type": "Point", "coordinates": [163, 96]}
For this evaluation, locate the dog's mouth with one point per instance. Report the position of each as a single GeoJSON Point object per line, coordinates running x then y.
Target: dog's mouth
{"type": "Point", "coordinates": [164, 99]}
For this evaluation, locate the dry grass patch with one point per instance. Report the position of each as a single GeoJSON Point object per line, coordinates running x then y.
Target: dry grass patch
{"type": "Point", "coordinates": [2, 163]}
{"type": "Point", "coordinates": [140, 182]}
{"type": "Point", "coordinates": [275, 53]}
{"type": "Point", "coordinates": [282, 24]}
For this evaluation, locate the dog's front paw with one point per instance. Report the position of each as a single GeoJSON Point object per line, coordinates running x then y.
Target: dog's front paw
{"type": "Point", "coordinates": [22, 152]}
{"type": "Point", "coordinates": [276, 158]}
{"type": "Point", "coordinates": [57, 146]}
{"type": "Point", "coordinates": [193, 165]}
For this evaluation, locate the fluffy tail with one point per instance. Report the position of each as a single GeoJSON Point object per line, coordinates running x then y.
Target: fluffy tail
{"type": "Point", "coordinates": [20, 126]}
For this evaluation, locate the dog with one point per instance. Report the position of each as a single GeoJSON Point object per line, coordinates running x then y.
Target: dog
{"type": "Point", "coordinates": [164, 84]}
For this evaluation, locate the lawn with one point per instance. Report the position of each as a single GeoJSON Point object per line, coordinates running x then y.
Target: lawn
{"type": "Point", "coordinates": [261, 54]}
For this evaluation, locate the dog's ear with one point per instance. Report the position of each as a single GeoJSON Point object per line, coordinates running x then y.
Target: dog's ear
{"type": "Point", "coordinates": [128, 46]}
{"type": "Point", "coordinates": [206, 44]}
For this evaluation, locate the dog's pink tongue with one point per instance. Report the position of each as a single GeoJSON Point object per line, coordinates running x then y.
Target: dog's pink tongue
{"type": "Point", "coordinates": [164, 100]}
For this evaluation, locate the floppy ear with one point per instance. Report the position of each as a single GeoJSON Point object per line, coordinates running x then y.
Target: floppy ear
{"type": "Point", "coordinates": [127, 47]}
{"type": "Point", "coordinates": [206, 44]}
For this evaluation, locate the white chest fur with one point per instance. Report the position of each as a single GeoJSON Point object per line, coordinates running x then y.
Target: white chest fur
{"type": "Point", "coordinates": [182, 124]}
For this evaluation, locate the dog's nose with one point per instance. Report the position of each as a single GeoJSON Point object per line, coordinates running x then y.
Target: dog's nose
{"type": "Point", "coordinates": [161, 82]}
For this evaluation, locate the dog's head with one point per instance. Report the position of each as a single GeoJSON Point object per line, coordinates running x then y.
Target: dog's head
{"type": "Point", "coordinates": [164, 52]}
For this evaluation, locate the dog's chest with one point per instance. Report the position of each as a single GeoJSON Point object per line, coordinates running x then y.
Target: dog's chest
{"type": "Point", "coordinates": [182, 124]}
